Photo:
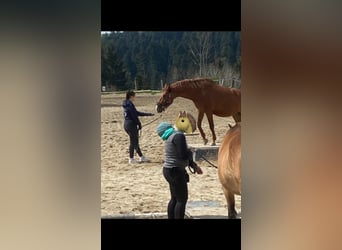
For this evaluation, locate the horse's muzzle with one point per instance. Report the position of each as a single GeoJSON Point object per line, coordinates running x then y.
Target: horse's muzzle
{"type": "Point", "coordinates": [159, 108]}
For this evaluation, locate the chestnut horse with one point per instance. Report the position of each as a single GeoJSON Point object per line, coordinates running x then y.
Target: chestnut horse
{"type": "Point", "coordinates": [209, 98]}
{"type": "Point", "coordinates": [229, 167]}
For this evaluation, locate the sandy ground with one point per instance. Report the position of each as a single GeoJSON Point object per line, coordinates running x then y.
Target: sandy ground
{"type": "Point", "coordinates": [141, 188]}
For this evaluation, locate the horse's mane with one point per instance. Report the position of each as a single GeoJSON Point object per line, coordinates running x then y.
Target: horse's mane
{"type": "Point", "coordinates": [193, 83]}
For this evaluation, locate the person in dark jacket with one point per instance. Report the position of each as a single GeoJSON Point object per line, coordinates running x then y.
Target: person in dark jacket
{"type": "Point", "coordinates": [132, 125]}
{"type": "Point", "coordinates": [177, 157]}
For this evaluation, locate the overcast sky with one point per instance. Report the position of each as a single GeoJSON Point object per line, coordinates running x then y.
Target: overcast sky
{"type": "Point", "coordinates": [104, 32]}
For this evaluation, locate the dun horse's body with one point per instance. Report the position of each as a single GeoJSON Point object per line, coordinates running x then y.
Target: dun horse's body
{"type": "Point", "coordinates": [208, 97]}
{"type": "Point", "coordinates": [229, 167]}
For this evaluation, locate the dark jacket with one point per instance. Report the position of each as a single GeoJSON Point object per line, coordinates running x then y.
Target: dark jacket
{"type": "Point", "coordinates": [131, 113]}
{"type": "Point", "coordinates": [177, 153]}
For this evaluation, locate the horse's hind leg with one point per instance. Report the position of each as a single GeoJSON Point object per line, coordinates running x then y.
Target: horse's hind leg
{"type": "Point", "coordinates": [237, 117]}
{"type": "Point", "coordinates": [232, 214]}
{"type": "Point", "coordinates": [199, 124]}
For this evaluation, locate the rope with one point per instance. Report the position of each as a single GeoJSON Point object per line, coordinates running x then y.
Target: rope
{"type": "Point", "coordinates": [208, 161]}
{"type": "Point", "coordinates": [140, 131]}
{"type": "Point", "coordinates": [152, 121]}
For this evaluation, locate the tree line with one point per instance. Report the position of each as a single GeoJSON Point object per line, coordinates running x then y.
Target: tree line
{"type": "Point", "coordinates": [147, 60]}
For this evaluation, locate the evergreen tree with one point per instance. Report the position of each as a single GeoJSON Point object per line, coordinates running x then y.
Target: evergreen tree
{"type": "Point", "coordinates": [113, 72]}
{"type": "Point", "coordinates": [149, 58]}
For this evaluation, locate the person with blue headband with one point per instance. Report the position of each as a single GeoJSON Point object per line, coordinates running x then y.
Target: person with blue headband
{"type": "Point", "coordinates": [177, 158]}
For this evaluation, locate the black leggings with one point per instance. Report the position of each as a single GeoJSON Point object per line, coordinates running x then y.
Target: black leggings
{"type": "Point", "coordinates": [132, 130]}
{"type": "Point", "coordinates": [176, 177]}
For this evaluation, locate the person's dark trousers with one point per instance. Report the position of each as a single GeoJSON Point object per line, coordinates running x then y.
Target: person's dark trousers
{"type": "Point", "coordinates": [132, 130]}
{"type": "Point", "coordinates": [176, 177]}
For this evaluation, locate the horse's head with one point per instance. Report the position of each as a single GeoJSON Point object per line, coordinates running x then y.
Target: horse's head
{"type": "Point", "coordinates": [165, 100]}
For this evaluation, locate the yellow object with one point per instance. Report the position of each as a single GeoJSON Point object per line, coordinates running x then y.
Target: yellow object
{"type": "Point", "coordinates": [186, 122]}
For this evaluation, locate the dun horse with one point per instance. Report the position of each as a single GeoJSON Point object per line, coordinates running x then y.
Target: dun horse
{"type": "Point", "coordinates": [229, 167]}
{"type": "Point", "coordinates": [209, 98]}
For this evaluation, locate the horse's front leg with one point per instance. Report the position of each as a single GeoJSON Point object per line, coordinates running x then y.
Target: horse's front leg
{"type": "Point", "coordinates": [211, 125]}
{"type": "Point", "coordinates": [199, 124]}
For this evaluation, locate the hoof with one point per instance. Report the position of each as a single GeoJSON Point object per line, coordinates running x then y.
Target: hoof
{"type": "Point", "coordinates": [213, 144]}
{"type": "Point", "coordinates": [205, 141]}
{"type": "Point", "coordinates": [232, 215]}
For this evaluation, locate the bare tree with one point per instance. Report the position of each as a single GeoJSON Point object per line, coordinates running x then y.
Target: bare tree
{"type": "Point", "coordinates": [213, 70]}
{"type": "Point", "coordinates": [199, 47]}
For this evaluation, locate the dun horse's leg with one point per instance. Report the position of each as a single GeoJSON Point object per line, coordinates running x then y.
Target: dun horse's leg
{"type": "Point", "coordinates": [199, 124]}
{"type": "Point", "coordinates": [232, 214]}
{"type": "Point", "coordinates": [231, 206]}
{"type": "Point", "coordinates": [211, 125]}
